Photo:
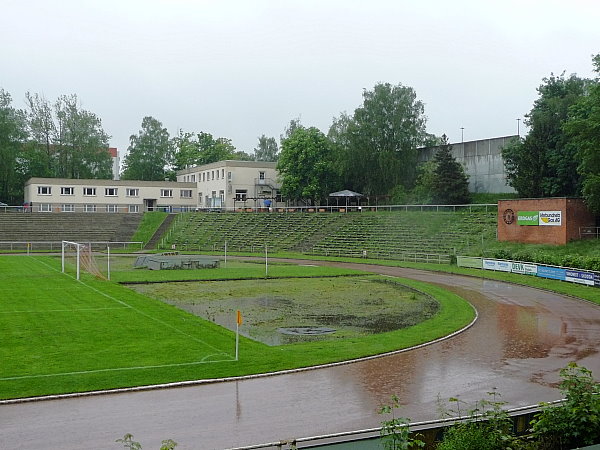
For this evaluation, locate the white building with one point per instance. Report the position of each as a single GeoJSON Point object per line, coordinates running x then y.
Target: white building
{"type": "Point", "coordinates": [114, 154]}
{"type": "Point", "coordinates": [234, 184]}
{"type": "Point", "coordinates": [133, 196]}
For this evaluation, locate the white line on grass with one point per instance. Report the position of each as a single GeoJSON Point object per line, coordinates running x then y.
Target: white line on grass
{"type": "Point", "coordinates": [116, 369]}
{"type": "Point", "coordinates": [59, 310]}
{"type": "Point", "coordinates": [200, 341]}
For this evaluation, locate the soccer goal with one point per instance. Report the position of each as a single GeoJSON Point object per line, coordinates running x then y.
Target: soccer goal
{"type": "Point", "coordinates": [81, 256]}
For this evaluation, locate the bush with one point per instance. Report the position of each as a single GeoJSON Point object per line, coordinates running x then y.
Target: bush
{"type": "Point", "coordinates": [576, 422]}
{"type": "Point", "coordinates": [487, 427]}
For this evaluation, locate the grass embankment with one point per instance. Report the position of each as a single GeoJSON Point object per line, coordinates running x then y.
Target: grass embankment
{"type": "Point", "coordinates": [61, 336]}
{"type": "Point", "coordinates": [148, 226]}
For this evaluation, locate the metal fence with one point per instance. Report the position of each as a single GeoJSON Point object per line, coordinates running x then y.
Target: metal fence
{"type": "Point", "coordinates": [589, 232]}
{"type": "Point", "coordinates": [38, 246]}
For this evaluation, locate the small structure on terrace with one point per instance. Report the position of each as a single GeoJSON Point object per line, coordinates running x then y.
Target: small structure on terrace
{"type": "Point", "coordinates": [174, 261]}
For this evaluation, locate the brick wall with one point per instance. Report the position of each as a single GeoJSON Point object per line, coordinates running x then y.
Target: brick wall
{"type": "Point", "coordinates": [574, 215]}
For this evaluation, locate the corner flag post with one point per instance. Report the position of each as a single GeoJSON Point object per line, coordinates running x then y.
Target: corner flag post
{"type": "Point", "coordinates": [238, 322]}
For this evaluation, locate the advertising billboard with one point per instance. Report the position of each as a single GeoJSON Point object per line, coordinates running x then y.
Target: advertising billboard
{"type": "Point", "coordinates": [492, 264]}
{"type": "Point", "coordinates": [469, 261]}
{"type": "Point", "coordinates": [528, 217]}
{"type": "Point", "coordinates": [551, 272]}
{"type": "Point", "coordinates": [552, 218]}
{"type": "Point", "coordinates": [576, 276]}
{"type": "Point", "coordinates": [524, 268]}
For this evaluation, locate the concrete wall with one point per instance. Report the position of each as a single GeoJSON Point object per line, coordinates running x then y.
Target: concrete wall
{"type": "Point", "coordinates": [574, 215]}
{"type": "Point", "coordinates": [482, 161]}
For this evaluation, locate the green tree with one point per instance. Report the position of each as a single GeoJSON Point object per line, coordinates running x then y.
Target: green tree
{"type": "Point", "coordinates": [80, 143]}
{"type": "Point", "coordinates": [64, 140]}
{"type": "Point", "coordinates": [266, 150]}
{"type": "Point", "coordinates": [544, 163]}
{"type": "Point", "coordinates": [379, 143]}
{"type": "Point", "coordinates": [306, 167]}
{"type": "Point", "coordinates": [583, 127]}
{"type": "Point", "coordinates": [12, 138]}
{"type": "Point", "coordinates": [202, 148]}
{"type": "Point", "coordinates": [149, 153]}
{"type": "Point", "coordinates": [449, 184]}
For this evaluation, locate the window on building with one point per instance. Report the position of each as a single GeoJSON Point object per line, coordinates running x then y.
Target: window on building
{"type": "Point", "coordinates": [222, 173]}
{"type": "Point", "coordinates": [222, 196]}
{"type": "Point", "coordinates": [44, 190]}
{"type": "Point", "coordinates": [89, 208]}
{"type": "Point", "coordinates": [278, 196]}
{"type": "Point", "coordinates": [133, 192]}
{"type": "Point", "coordinates": [212, 174]}
{"type": "Point", "coordinates": [229, 175]}
{"type": "Point", "coordinates": [185, 193]}
{"type": "Point", "coordinates": [203, 176]}
{"type": "Point", "coordinates": [68, 208]}
{"type": "Point", "coordinates": [166, 192]}
{"type": "Point", "coordinates": [217, 174]}
{"type": "Point", "coordinates": [241, 195]}
{"type": "Point", "coordinates": [134, 208]}
{"type": "Point", "coordinates": [110, 192]}
{"type": "Point", "coordinates": [261, 175]}
{"type": "Point", "coordinates": [45, 207]}
{"type": "Point", "coordinates": [200, 198]}
{"type": "Point", "coordinates": [194, 178]}
{"type": "Point", "coordinates": [89, 191]}
{"type": "Point", "coordinates": [112, 208]}
{"type": "Point", "coordinates": [67, 190]}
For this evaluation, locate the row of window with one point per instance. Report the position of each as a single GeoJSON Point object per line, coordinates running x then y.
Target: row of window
{"type": "Point", "coordinates": [210, 175]}
{"type": "Point", "coordinates": [112, 192]}
{"type": "Point", "coordinates": [47, 207]}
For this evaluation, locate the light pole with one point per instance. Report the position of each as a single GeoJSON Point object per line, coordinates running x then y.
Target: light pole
{"type": "Point", "coordinates": [518, 127]}
{"type": "Point", "coordinates": [462, 140]}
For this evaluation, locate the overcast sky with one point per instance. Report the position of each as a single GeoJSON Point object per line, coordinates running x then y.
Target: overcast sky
{"type": "Point", "coordinates": [239, 69]}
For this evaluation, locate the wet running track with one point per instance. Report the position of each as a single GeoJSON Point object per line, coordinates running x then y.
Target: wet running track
{"type": "Point", "coordinates": [522, 338]}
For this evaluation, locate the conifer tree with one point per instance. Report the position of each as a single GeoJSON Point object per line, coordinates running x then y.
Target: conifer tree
{"type": "Point", "coordinates": [450, 184]}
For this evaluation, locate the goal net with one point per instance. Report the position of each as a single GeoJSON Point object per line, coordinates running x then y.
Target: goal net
{"type": "Point", "coordinates": [81, 257]}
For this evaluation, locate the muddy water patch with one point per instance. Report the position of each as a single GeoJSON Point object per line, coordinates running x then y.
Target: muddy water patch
{"type": "Point", "coordinates": [352, 307]}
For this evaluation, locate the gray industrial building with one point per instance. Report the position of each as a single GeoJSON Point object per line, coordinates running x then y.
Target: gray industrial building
{"type": "Point", "coordinates": [482, 161]}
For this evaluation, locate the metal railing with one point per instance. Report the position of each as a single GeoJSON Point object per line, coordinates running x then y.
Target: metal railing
{"type": "Point", "coordinates": [478, 207]}
{"type": "Point", "coordinates": [589, 232]}
{"type": "Point", "coordinates": [34, 246]}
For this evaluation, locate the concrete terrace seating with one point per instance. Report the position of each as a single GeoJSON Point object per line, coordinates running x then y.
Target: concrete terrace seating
{"type": "Point", "coordinates": [379, 234]}
{"type": "Point", "coordinates": [250, 231]}
{"type": "Point", "coordinates": [78, 227]}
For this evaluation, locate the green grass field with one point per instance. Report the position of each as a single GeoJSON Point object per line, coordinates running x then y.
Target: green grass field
{"type": "Point", "coordinates": [60, 335]}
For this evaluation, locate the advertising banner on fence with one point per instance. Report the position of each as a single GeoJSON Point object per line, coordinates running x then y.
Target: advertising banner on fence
{"type": "Point", "coordinates": [597, 279]}
{"type": "Point", "coordinates": [492, 264]}
{"type": "Point", "coordinates": [551, 272]}
{"type": "Point", "coordinates": [576, 276]}
{"type": "Point", "coordinates": [528, 217]}
{"type": "Point", "coordinates": [469, 261]}
{"type": "Point", "coordinates": [551, 218]}
{"type": "Point", "coordinates": [524, 268]}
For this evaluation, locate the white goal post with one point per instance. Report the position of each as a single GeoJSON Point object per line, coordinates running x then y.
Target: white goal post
{"type": "Point", "coordinates": [84, 258]}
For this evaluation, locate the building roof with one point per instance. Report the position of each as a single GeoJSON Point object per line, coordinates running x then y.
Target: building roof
{"type": "Point", "coordinates": [346, 193]}
{"type": "Point", "coordinates": [113, 152]}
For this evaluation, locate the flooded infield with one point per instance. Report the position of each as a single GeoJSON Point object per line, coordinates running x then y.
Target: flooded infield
{"type": "Point", "coordinates": [522, 338]}
{"type": "Point", "coordinates": [345, 306]}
